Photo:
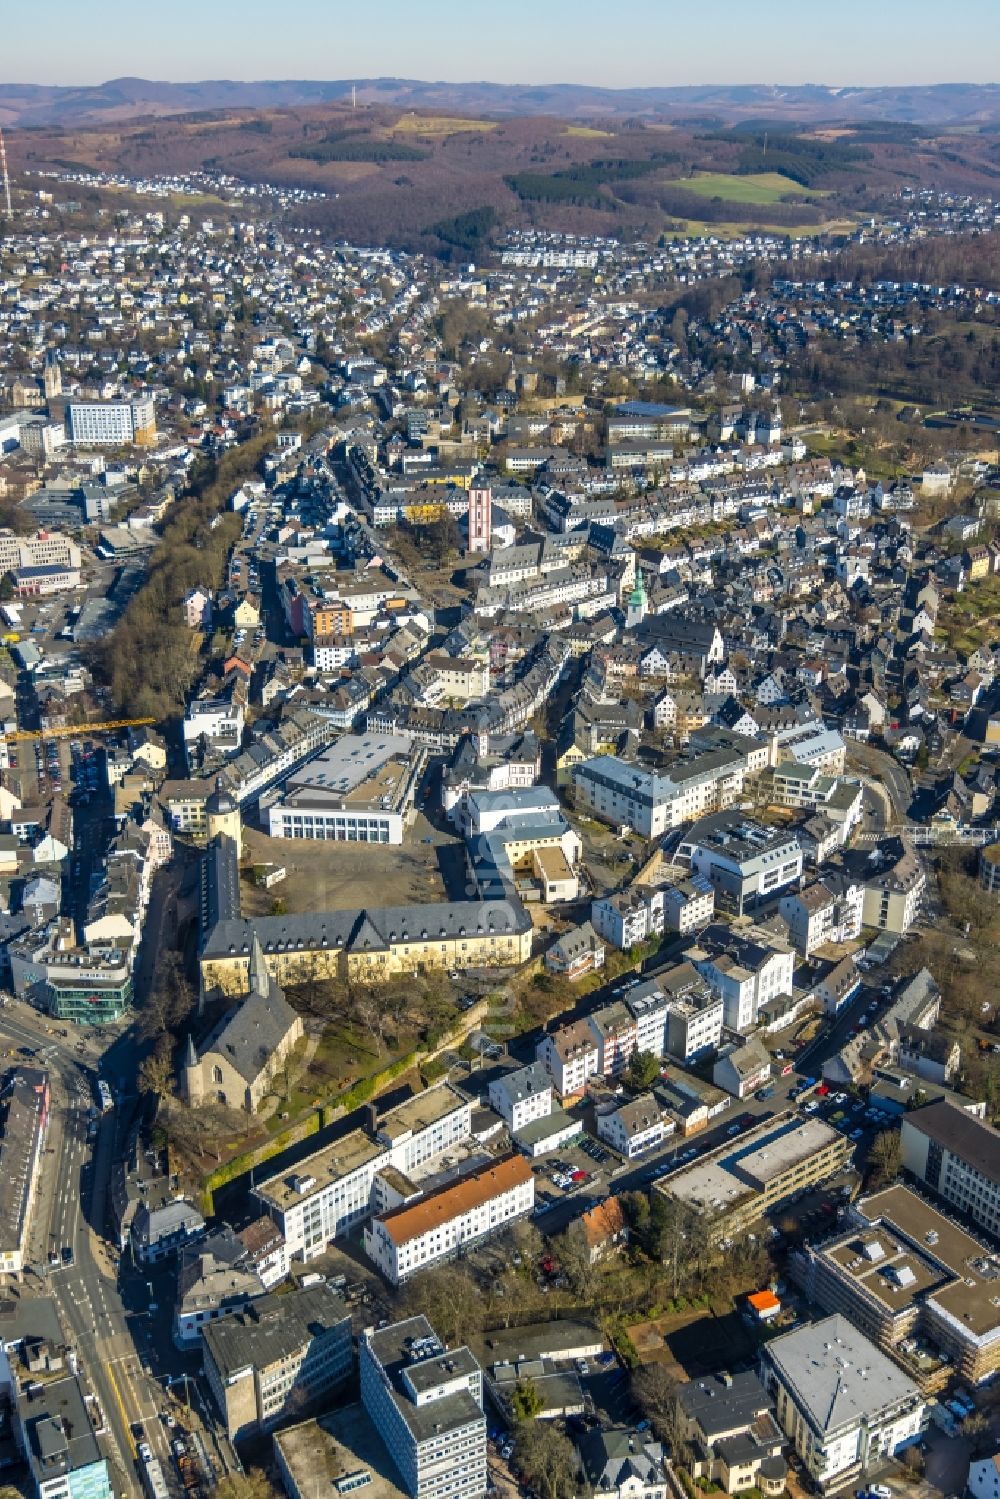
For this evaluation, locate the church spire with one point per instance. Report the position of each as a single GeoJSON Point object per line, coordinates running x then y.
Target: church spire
{"type": "Point", "coordinates": [260, 979]}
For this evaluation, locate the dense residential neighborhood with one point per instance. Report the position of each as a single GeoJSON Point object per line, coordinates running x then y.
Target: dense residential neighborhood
{"type": "Point", "coordinates": [499, 827]}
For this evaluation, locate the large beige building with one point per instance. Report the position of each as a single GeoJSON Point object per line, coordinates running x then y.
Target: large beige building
{"type": "Point", "coordinates": [740, 1181]}
{"type": "Point", "coordinates": [902, 1271]}
{"type": "Point", "coordinates": [370, 944]}
{"type": "Point", "coordinates": [47, 549]}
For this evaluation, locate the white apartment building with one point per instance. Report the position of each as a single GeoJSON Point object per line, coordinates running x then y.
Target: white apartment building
{"type": "Point", "coordinates": [648, 1006]}
{"type": "Point", "coordinates": [614, 1028]}
{"type": "Point", "coordinates": [817, 914]}
{"type": "Point", "coordinates": [747, 969]}
{"type": "Point", "coordinates": [635, 1127]}
{"type": "Point", "coordinates": [893, 897]}
{"type": "Point", "coordinates": [511, 773]}
{"type": "Point", "coordinates": [570, 1056]}
{"type": "Point", "coordinates": [427, 1405]}
{"type": "Point", "coordinates": [811, 744]}
{"type": "Point", "coordinates": [334, 1188]}
{"type": "Point", "coordinates": [628, 917]}
{"type": "Point", "coordinates": [440, 1225]}
{"type": "Point", "coordinates": [688, 905]}
{"type": "Point", "coordinates": [626, 795]}
{"type": "Point", "coordinates": [844, 1405]}
{"type": "Point", "coordinates": [213, 719]}
{"type": "Point", "coordinates": [958, 1157]}
{"type": "Point", "coordinates": [694, 1025]}
{"type": "Point", "coordinates": [521, 1096]}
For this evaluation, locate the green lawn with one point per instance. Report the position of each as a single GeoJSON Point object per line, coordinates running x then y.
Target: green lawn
{"type": "Point", "coordinates": [756, 187]}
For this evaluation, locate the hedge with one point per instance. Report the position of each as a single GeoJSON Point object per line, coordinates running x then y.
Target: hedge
{"type": "Point", "coordinates": [239, 1164]}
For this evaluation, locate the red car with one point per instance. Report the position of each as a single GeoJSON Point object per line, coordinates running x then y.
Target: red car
{"type": "Point", "coordinates": [822, 1090]}
{"type": "Point", "coordinates": [578, 1176]}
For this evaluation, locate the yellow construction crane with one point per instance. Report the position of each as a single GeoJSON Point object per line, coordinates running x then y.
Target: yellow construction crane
{"type": "Point", "coordinates": [77, 730]}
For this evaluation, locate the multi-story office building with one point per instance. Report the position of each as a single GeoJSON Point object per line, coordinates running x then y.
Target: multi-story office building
{"type": "Point", "coordinates": [958, 1157]}
{"type": "Point", "coordinates": [902, 1271]}
{"type": "Point", "coordinates": [54, 1429]}
{"type": "Point", "coordinates": [47, 549]}
{"type": "Point", "coordinates": [844, 1405]}
{"type": "Point", "coordinates": [279, 1356]}
{"type": "Point", "coordinates": [113, 424]}
{"type": "Point", "coordinates": [427, 1404]}
{"type": "Point", "coordinates": [443, 1223]}
{"type": "Point", "coordinates": [424, 1126]}
{"type": "Point", "coordinates": [360, 789]}
{"type": "Point", "coordinates": [24, 1117]}
{"type": "Point", "coordinates": [328, 1192]}
{"type": "Point", "coordinates": [742, 860]}
{"type": "Point", "coordinates": [738, 1182]}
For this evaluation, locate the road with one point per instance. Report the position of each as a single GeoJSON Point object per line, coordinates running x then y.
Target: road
{"type": "Point", "coordinates": [70, 1213]}
{"type": "Point", "coordinates": [886, 772]}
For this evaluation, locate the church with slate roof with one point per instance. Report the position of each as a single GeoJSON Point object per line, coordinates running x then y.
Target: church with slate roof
{"type": "Point", "coordinates": [235, 1063]}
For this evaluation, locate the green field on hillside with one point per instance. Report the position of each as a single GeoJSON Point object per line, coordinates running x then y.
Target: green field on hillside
{"type": "Point", "coordinates": [756, 187]}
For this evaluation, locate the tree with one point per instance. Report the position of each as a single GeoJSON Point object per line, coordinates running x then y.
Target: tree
{"type": "Point", "coordinates": [574, 1260]}
{"type": "Point", "coordinates": [252, 1484]}
{"type": "Point", "coordinates": [525, 1403]}
{"type": "Point", "coordinates": [977, 1428]}
{"type": "Point", "coordinates": [643, 1070]}
{"type": "Point", "coordinates": [156, 1074]}
{"type": "Point", "coordinates": [655, 1390]}
{"type": "Point", "coordinates": [885, 1159]}
{"type": "Point", "coordinates": [546, 1460]}
{"type": "Point", "coordinates": [449, 1299]}
{"type": "Point", "coordinates": [170, 999]}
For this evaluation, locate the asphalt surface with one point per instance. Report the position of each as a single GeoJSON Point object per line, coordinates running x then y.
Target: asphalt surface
{"type": "Point", "coordinates": [887, 773]}
{"type": "Point", "coordinates": [70, 1213]}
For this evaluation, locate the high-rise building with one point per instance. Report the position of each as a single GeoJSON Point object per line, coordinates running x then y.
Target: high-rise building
{"type": "Point", "coordinates": [112, 424]}
{"type": "Point", "coordinates": [426, 1402]}
{"type": "Point", "coordinates": [480, 518]}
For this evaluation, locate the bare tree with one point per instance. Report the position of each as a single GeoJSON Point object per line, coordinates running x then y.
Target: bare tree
{"type": "Point", "coordinates": [885, 1159]}
{"type": "Point", "coordinates": [547, 1461]}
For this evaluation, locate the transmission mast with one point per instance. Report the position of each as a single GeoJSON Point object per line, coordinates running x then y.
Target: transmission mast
{"type": "Point", "coordinates": [6, 176]}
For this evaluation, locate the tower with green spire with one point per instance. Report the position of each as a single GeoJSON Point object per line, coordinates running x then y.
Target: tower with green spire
{"type": "Point", "coordinates": [638, 604]}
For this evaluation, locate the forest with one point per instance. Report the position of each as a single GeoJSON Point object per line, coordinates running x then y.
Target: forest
{"type": "Point", "coordinates": [352, 146]}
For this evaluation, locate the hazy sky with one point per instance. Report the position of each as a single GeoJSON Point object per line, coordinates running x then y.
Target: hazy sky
{"type": "Point", "coordinates": [516, 41]}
